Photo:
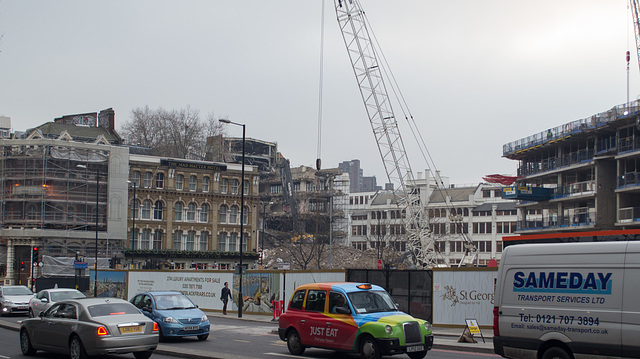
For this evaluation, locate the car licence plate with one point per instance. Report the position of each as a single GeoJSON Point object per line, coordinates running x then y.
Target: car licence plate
{"type": "Point", "coordinates": [415, 348]}
{"type": "Point", "coordinates": [193, 327]}
{"type": "Point", "coordinates": [22, 307]}
{"type": "Point", "coordinates": [131, 329]}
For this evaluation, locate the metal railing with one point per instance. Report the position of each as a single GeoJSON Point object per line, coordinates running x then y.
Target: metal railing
{"type": "Point", "coordinates": [629, 214]}
{"type": "Point", "coordinates": [629, 179]}
{"type": "Point", "coordinates": [574, 217]}
{"type": "Point", "coordinates": [573, 158]}
{"type": "Point", "coordinates": [577, 188]}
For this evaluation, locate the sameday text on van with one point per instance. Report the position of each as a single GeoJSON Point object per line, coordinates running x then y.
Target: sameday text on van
{"type": "Point", "coordinates": [568, 300]}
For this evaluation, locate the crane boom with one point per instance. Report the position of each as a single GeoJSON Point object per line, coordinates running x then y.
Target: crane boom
{"type": "Point", "coordinates": [635, 12]}
{"type": "Point", "coordinates": [370, 78]}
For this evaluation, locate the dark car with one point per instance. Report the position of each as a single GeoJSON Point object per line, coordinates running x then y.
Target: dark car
{"type": "Point", "coordinates": [90, 326]}
{"type": "Point", "coordinates": [176, 314]}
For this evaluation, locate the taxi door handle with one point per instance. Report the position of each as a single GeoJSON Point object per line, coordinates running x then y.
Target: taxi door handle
{"type": "Point", "coordinates": [328, 323]}
{"type": "Point", "coordinates": [303, 321]}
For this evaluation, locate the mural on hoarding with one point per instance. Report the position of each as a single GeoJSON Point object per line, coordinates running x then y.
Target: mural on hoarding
{"type": "Point", "coordinates": [110, 284]}
{"type": "Point", "coordinates": [259, 291]}
{"type": "Point", "coordinates": [461, 294]}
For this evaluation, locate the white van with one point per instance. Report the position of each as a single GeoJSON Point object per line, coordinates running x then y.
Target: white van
{"type": "Point", "coordinates": [568, 300]}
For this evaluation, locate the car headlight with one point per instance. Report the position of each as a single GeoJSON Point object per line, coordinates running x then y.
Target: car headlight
{"type": "Point", "coordinates": [388, 329]}
{"type": "Point", "coordinates": [170, 320]}
{"type": "Point", "coordinates": [427, 326]}
{"type": "Point", "coordinates": [204, 318]}
{"type": "Point", "coordinates": [7, 301]}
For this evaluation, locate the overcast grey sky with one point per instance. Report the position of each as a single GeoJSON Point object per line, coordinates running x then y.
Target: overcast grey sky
{"type": "Point", "coordinates": [476, 74]}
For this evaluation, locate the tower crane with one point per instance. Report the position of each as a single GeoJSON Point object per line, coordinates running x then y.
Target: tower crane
{"type": "Point", "coordinates": [370, 75]}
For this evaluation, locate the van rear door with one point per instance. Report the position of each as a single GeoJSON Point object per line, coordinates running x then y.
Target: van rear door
{"type": "Point", "coordinates": [631, 302]}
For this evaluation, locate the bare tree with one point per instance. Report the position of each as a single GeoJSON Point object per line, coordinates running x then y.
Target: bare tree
{"type": "Point", "coordinates": [176, 133]}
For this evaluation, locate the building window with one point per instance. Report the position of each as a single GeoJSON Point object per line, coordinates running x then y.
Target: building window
{"type": "Point", "coordinates": [233, 242]}
{"type": "Point", "coordinates": [245, 215]}
{"type": "Point", "coordinates": [135, 207]}
{"type": "Point", "coordinates": [222, 242]}
{"type": "Point", "coordinates": [193, 182]}
{"type": "Point", "coordinates": [179, 182]}
{"type": "Point", "coordinates": [205, 184]}
{"type": "Point", "coordinates": [224, 185]}
{"type": "Point", "coordinates": [159, 180]}
{"type": "Point", "coordinates": [134, 238]}
{"type": "Point", "coordinates": [234, 186]}
{"type": "Point", "coordinates": [157, 239]}
{"type": "Point", "coordinates": [145, 239]}
{"type": "Point", "coordinates": [191, 212]}
{"type": "Point", "coordinates": [245, 189]}
{"type": "Point", "coordinates": [204, 241]}
{"type": "Point", "coordinates": [223, 213]}
{"type": "Point", "coordinates": [191, 237]}
{"type": "Point", "coordinates": [147, 179]}
{"type": "Point", "coordinates": [146, 209]}
{"type": "Point", "coordinates": [135, 178]}
{"type": "Point", "coordinates": [177, 211]}
{"type": "Point", "coordinates": [177, 240]}
{"type": "Point", "coordinates": [204, 213]}
{"type": "Point", "coordinates": [245, 241]}
{"type": "Point", "coordinates": [233, 215]}
{"type": "Point", "coordinates": [275, 188]}
{"type": "Point", "coordinates": [498, 246]}
{"type": "Point", "coordinates": [157, 210]}
{"type": "Point", "coordinates": [296, 186]}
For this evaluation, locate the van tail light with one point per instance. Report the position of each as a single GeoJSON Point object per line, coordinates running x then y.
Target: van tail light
{"type": "Point", "coordinates": [496, 320]}
{"type": "Point", "coordinates": [155, 327]}
{"type": "Point", "coordinates": [102, 331]}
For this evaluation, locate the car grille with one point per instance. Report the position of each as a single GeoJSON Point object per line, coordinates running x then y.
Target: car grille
{"type": "Point", "coordinates": [412, 332]}
{"type": "Point", "coordinates": [189, 320]}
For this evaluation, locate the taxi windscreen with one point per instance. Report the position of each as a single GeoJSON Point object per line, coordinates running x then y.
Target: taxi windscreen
{"type": "Point", "coordinates": [372, 301]}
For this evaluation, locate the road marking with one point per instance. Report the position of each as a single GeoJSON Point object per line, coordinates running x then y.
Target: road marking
{"type": "Point", "coordinates": [283, 355]}
{"type": "Point", "coordinates": [2, 356]}
{"type": "Point", "coordinates": [242, 341]}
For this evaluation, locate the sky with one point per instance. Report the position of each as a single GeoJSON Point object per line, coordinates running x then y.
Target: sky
{"type": "Point", "coordinates": [476, 74]}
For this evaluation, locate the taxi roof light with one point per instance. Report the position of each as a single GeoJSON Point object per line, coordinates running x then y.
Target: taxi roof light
{"type": "Point", "coordinates": [365, 286]}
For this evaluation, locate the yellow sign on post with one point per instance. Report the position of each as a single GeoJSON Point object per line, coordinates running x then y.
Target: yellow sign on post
{"type": "Point", "coordinates": [472, 324]}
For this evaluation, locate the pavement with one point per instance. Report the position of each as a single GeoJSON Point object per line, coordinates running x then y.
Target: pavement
{"type": "Point", "coordinates": [444, 338]}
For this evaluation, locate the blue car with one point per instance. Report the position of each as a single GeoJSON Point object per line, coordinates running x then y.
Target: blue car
{"type": "Point", "coordinates": [175, 313]}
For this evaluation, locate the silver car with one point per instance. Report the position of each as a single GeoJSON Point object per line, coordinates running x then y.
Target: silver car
{"type": "Point", "coordinates": [46, 297]}
{"type": "Point", "coordinates": [90, 326]}
{"type": "Point", "coordinates": [14, 299]}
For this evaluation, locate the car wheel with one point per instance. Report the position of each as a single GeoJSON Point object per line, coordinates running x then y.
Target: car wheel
{"type": "Point", "coordinates": [76, 349]}
{"type": "Point", "coordinates": [369, 348]}
{"type": "Point", "coordinates": [417, 355]}
{"type": "Point", "coordinates": [294, 344]}
{"type": "Point", "coordinates": [203, 336]}
{"type": "Point", "coordinates": [142, 355]}
{"type": "Point", "coordinates": [161, 336]}
{"type": "Point", "coordinates": [556, 353]}
{"type": "Point", "coordinates": [25, 343]}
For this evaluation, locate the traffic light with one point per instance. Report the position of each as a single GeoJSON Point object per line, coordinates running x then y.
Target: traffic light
{"type": "Point", "coordinates": [15, 264]}
{"type": "Point", "coordinates": [111, 263]}
{"type": "Point", "coordinates": [34, 255]}
{"type": "Point", "coordinates": [22, 265]}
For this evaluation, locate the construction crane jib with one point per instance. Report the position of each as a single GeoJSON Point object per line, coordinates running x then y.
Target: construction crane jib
{"type": "Point", "coordinates": [369, 76]}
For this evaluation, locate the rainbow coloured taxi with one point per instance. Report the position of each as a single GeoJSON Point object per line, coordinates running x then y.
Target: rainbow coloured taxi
{"type": "Point", "coordinates": [352, 317]}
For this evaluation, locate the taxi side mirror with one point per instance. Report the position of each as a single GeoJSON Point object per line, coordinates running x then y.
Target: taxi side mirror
{"type": "Point", "coordinates": [146, 309]}
{"type": "Point", "coordinates": [343, 310]}
{"type": "Point", "coordinates": [44, 300]}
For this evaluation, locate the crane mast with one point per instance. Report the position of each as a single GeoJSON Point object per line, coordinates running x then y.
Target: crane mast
{"type": "Point", "coordinates": [370, 78]}
{"type": "Point", "coordinates": [635, 12]}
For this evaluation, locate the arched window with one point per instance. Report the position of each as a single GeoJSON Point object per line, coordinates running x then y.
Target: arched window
{"type": "Point", "coordinates": [222, 241]}
{"type": "Point", "coordinates": [233, 242]}
{"type": "Point", "coordinates": [180, 182]}
{"type": "Point", "coordinates": [177, 240]}
{"type": "Point", "coordinates": [191, 212]}
{"type": "Point", "coordinates": [245, 240]}
{"type": "Point", "coordinates": [157, 239]}
{"type": "Point", "coordinates": [245, 215]}
{"type": "Point", "coordinates": [145, 238]}
{"type": "Point", "coordinates": [134, 238]}
{"type": "Point", "coordinates": [135, 178]}
{"type": "Point", "coordinates": [159, 180]}
{"type": "Point", "coordinates": [204, 241]}
{"type": "Point", "coordinates": [246, 187]}
{"type": "Point", "coordinates": [135, 209]}
{"type": "Point", "coordinates": [233, 215]}
{"type": "Point", "coordinates": [223, 213]}
{"type": "Point", "coordinates": [193, 182]}
{"type": "Point", "coordinates": [146, 209]}
{"type": "Point", "coordinates": [205, 184]}
{"type": "Point", "coordinates": [234, 186]}
{"type": "Point", "coordinates": [158, 208]}
{"type": "Point", "coordinates": [204, 213]}
{"type": "Point", "coordinates": [147, 179]}
{"type": "Point", "coordinates": [224, 185]}
{"type": "Point", "coordinates": [191, 237]}
{"type": "Point", "coordinates": [177, 211]}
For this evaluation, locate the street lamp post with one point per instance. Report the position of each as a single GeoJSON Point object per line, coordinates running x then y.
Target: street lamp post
{"type": "Point", "coordinates": [95, 264]}
{"type": "Point", "coordinates": [240, 297]}
{"type": "Point", "coordinates": [133, 229]}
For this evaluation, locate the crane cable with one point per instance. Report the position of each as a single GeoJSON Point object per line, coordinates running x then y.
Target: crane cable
{"type": "Point", "coordinates": [320, 90]}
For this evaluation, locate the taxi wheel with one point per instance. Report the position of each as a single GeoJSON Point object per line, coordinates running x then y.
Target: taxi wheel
{"type": "Point", "coordinates": [293, 343]}
{"type": "Point", "coordinates": [417, 355]}
{"type": "Point", "coordinates": [76, 349]}
{"type": "Point", "coordinates": [25, 343]}
{"type": "Point", "coordinates": [369, 348]}
{"type": "Point", "coordinates": [203, 337]}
